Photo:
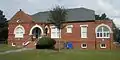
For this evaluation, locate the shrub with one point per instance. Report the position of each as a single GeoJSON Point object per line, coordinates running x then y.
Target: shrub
{"type": "Point", "coordinates": [45, 43]}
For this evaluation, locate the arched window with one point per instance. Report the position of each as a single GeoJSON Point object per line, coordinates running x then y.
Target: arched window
{"type": "Point", "coordinates": [46, 30]}
{"type": "Point", "coordinates": [103, 31]}
{"type": "Point", "coordinates": [19, 32]}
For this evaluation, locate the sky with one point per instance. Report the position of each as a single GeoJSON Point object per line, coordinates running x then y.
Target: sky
{"type": "Point", "coordinates": [110, 7]}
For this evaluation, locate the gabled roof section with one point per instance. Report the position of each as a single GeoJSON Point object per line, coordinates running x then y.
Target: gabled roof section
{"type": "Point", "coordinates": [76, 14]}
{"type": "Point", "coordinates": [20, 17]}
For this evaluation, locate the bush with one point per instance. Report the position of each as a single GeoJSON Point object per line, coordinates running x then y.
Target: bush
{"type": "Point", "coordinates": [45, 43]}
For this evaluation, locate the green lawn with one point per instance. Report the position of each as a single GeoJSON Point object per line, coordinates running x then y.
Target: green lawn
{"type": "Point", "coordinates": [63, 55]}
{"type": "Point", "coordinates": [5, 47]}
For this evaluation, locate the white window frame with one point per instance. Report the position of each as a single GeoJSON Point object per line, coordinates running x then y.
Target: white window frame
{"type": "Point", "coordinates": [13, 44]}
{"type": "Point", "coordinates": [102, 46]}
{"type": "Point", "coordinates": [47, 28]}
{"type": "Point", "coordinates": [19, 35]}
{"type": "Point", "coordinates": [108, 32]}
{"type": "Point", "coordinates": [102, 33]}
{"type": "Point", "coordinates": [56, 31]}
{"type": "Point", "coordinates": [69, 28]}
{"type": "Point", "coordinates": [82, 34]}
{"type": "Point", "coordinates": [36, 25]}
{"type": "Point", "coordinates": [83, 46]}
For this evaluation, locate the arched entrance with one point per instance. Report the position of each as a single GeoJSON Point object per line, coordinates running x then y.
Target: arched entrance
{"type": "Point", "coordinates": [36, 32]}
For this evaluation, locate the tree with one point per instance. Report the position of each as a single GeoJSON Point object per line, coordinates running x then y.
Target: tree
{"type": "Point", "coordinates": [3, 27]}
{"type": "Point", "coordinates": [102, 17]}
{"type": "Point", "coordinates": [117, 34]}
{"type": "Point", "coordinates": [57, 16]}
{"type": "Point", "coordinates": [97, 17]}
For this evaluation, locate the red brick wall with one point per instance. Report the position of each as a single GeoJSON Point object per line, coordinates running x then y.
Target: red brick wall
{"type": "Point", "coordinates": [75, 37]}
{"type": "Point", "coordinates": [91, 40]}
{"type": "Point", "coordinates": [27, 37]}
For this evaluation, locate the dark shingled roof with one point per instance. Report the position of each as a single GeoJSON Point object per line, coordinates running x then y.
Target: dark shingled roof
{"type": "Point", "coordinates": [76, 14]}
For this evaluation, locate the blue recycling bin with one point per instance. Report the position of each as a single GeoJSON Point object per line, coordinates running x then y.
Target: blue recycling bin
{"type": "Point", "coordinates": [69, 45]}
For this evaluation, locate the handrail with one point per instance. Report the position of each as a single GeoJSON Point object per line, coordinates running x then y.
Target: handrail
{"type": "Point", "coordinates": [30, 39]}
{"type": "Point", "coordinates": [27, 43]}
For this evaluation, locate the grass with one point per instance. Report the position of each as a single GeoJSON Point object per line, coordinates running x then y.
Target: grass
{"type": "Point", "coordinates": [5, 47]}
{"type": "Point", "coordinates": [74, 54]}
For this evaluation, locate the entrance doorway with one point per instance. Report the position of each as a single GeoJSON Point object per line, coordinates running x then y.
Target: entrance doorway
{"type": "Point", "coordinates": [36, 32]}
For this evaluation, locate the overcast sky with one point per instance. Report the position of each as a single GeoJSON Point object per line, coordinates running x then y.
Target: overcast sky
{"type": "Point", "coordinates": [110, 7]}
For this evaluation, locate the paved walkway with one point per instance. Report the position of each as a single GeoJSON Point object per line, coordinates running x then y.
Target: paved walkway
{"type": "Point", "coordinates": [18, 50]}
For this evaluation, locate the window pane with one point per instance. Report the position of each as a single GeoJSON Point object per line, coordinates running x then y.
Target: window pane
{"type": "Point", "coordinates": [54, 33]}
{"type": "Point", "coordinates": [108, 34]}
{"type": "Point", "coordinates": [69, 30]}
{"type": "Point", "coordinates": [99, 29]}
{"type": "Point", "coordinates": [19, 32]}
{"type": "Point", "coordinates": [105, 35]}
{"type": "Point", "coordinates": [102, 45]}
{"type": "Point", "coordinates": [105, 29]}
{"type": "Point", "coordinates": [98, 35]}
{"type": "Point", "coordinates": [83, 32]}
{"type": "Point", "coordinates": [84, 45]}
{"type": "Point", "coordinates": [103, 32]}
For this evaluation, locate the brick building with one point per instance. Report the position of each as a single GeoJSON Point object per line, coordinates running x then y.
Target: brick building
{"type": "Point", "coordinates": [82, 30]}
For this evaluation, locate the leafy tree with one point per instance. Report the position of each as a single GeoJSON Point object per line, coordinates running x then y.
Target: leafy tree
{"type": "Point", "coordinates": [57, 16]}
{"type": "Point", "coordinates": [102, 17]}
{"type": "Point", "coordinates": [3, 27]}
{"type": "Point", "coordinates": [117, 35]}
{"type": "Point", "coordinates": [97, 17]}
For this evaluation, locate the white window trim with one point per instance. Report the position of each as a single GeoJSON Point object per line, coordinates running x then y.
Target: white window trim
{"type": "Point", "coordinates": [83, 46]}
{"type": "Point", "coordinates": [67, 27]}
{"type": "Point", "coordinates": [105, 26]}
{"type": "Point", "coordinates": [102, 46]}
{"type": "Point", "coordinates": [19, 26]}
{"type": "Point", "coordinates": [13, 44]}
{"type": "Point", "coordinates": [19, 36]}
{"type": "Point", "coordinates": [83, 25]}
{"type": "Point", "coordinates": [51, 32]}
{"type": "Point", "coordinates": [36, 25]}
{"type": "Point", "coordinates": [81, 31]}
{"type": "Point", "coordinates": [102, 37]}
{"type": "Point", "coordinates": [48, 29]}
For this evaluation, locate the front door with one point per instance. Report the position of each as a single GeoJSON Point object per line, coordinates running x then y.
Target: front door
{"type": "Point", "coordinates": [36, 32]}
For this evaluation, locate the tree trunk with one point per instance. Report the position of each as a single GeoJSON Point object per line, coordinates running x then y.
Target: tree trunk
{"type": "Point", "coordinates": [59, 41]}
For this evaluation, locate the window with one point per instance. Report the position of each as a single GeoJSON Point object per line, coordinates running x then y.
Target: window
{"type": "Point", "coordinates": [83, 45]}
{"type": "Point", "coordinates": [102, 45]}
{"type": "Point", "coordinates": [83, 31]}
{"type": "Point", "coordinates": [13, 44]}
{"type": "Point", "coordinates": [103, 32]}
{"type": "Point", "coordinates": [19, 31]}
{"type": "Point", "coordinates": [54, 32]}
{"type": "Point", "coordinates": [69, 28]}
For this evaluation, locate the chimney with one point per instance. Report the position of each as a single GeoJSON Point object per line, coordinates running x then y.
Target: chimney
{"type": "Point", "coordinates": [20, 9]}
